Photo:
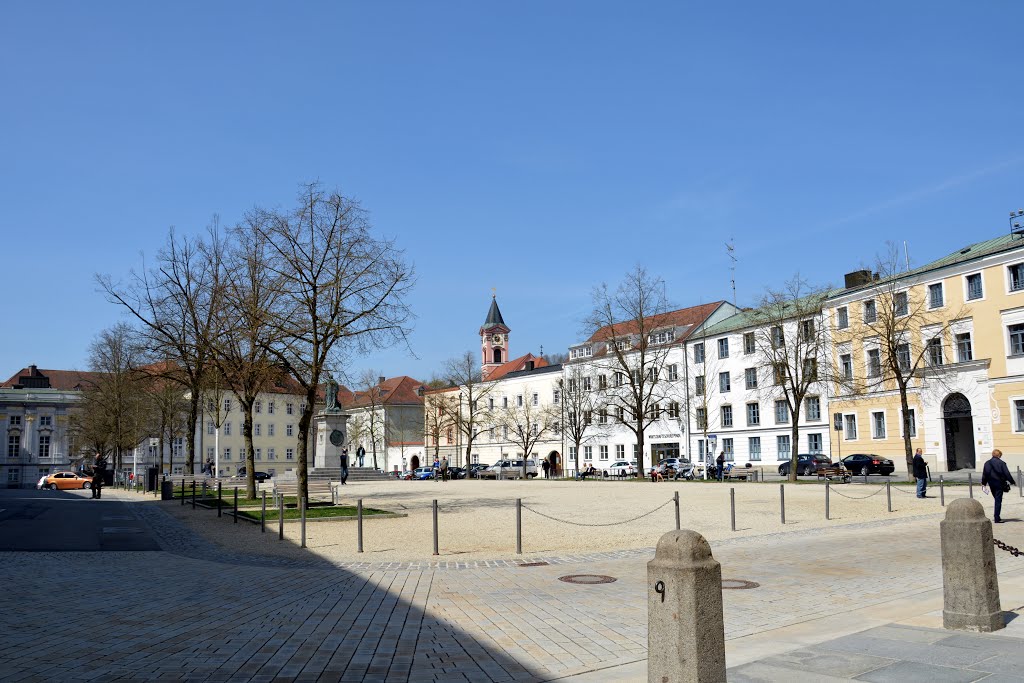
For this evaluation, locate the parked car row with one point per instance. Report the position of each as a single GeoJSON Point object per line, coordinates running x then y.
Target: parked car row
{"type": "Point", "coordinates": [858, 463]}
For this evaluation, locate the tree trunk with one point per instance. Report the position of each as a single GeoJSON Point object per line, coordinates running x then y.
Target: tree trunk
{"type": "Point", "coordinates": [303, 444]}
{"type": "Point", "coordinates": [190, 439]}
{"type": "Point", "coordinates": [907, 445]}
{"type": "Point", "coordinates": [794, 441]}
{"type": "Point", "coordinates": [250, 451]}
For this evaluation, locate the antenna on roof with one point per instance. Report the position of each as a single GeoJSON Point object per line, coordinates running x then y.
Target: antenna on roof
{"type": "Point", "coordinates": [730, 249]}
{"type": "Point", "coordinates": [906, 254]}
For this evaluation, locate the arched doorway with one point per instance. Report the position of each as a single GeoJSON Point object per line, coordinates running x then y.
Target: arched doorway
{"type": "Point", "coordinates": [414, 462]}
{"type": "Point", "coordinates": [959, 428]}
{"type": "Point", "coordinates": [555, 463]}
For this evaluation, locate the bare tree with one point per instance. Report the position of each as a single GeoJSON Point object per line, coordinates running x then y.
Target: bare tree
{"type": "Point", "coordinates": [792, 340]}
{"type": "Point", "coordinates": [440, 414]}
{"type": "Point", "coordinates": [372, 410]}
{"type": "Point", "coordinates": [527, 424]}
{"type": "Point", "coordinates": [343, 291]}
{"type": "Point", "coordinates": [175, 302]}
{"type": "Point", "coordinates": [911, 336]}
{"type": "Point", "coordinates": [580, 405]}
{"type": "Point", "coordinates": [627, 321]}
{"type": "Point", "coordinates": [464, 372]}
{"type": "Point", "coordinates": [168, 413]}
{"type": "Point", "coordinates": [703, 417]}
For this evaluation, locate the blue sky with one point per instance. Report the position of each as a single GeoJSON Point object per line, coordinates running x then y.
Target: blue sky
{"type": "Point", "coordinates": [535, 147]}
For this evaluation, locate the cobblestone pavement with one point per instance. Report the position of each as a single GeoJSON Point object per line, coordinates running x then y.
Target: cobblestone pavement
{"type": "Point", "coordinates": [195, 611]}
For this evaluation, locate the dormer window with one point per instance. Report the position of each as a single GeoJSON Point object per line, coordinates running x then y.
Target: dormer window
{"type": "Point", "coordinates": [662, 337]}
{"type": "Point", "coordinates": [581, 352]}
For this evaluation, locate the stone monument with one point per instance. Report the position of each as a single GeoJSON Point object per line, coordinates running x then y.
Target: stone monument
{"type": "Point", "coordinates": [330, 429]}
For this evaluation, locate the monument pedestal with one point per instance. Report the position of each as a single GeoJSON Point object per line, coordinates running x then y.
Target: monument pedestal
{"type": "Point", "coordinates": [331, 437]}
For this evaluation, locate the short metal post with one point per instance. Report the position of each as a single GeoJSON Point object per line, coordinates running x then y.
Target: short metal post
{"type": "Point", "coordinates": [193, 494]}
{"type": "Point", "coordinates": [302, 506]}
{"type": "Point", "coordinates": [1020, 484]}
{"type": "Point", "coordinates": [435, 526]}
{"type": "Point", "coordinates": [888, 496]}
{"type": "Point", "coordinates": [263, 514]}
{"type": "Point", "coordinates": [677, 510]}
{"type": "Point", "coordinates": [220, 499]}
{"type": "Point", "coordinates": [359, 525]}
{"type": "Point", "coordinates": [204, 490]}
{"type": "Point", "coordinates": [280, 518]}
{"type": "Point", "coordinates": [182, 493]}
{"type": "Point", "coordinates": [782, 503]}
{"type": "Point", "coordinates": [235, 512]}
{"type": "Point", "coordinates": [732, 508]}
{"type": "Point", "coordinates": [942, 492]}
{"type": "Point", "coordinates": [827, 517]}
{"type": "Point", "coordinates": [519, 526]}
{"type": "Point", "coordinates": [970, 483]}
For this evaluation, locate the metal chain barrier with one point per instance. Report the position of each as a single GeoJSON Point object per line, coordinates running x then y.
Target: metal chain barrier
{"type": "Point", "coordinates": [837, 492]}
{"type": "Point", "coordinates": [909, 493]}
{"type": "Point", "coordinates": [1008, 548]}
{"type": "Point", "coordinates": [565, 521]}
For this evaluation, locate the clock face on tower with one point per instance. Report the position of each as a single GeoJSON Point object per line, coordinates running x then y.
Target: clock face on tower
{"type": "Point", "coordinates": [497, 339]}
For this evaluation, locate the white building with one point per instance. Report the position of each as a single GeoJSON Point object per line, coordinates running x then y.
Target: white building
{"type": "Point", "coordinates": [386, 420]}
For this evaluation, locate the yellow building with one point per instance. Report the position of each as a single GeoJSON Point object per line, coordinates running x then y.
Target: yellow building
{"type": "Point", "coordinates": [954, 331]}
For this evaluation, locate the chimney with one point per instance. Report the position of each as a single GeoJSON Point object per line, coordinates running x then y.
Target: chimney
{"type": "Point", "coordinates": [857, 278]}
{"type": "Point", "coordinates": [529, 365]}
{"type": "Point", "coordinates": [380, 380]}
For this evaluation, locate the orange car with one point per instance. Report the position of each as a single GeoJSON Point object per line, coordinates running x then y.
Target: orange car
{"type": "Point", "coordinates": [67, 480]}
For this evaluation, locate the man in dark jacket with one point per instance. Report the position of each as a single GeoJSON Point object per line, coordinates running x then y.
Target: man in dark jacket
{"type": "Point", "coordinates": [996, 475]}
{"type": "Point", "coordinates": [921, 474]}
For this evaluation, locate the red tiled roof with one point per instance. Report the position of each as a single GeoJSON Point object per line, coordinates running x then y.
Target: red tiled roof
{"type": "Point", "coordinates": [66, 380]}
{"type": "Point", "coordinates": [515, 366]}
{"type": "Point", "coordinates": [694, 315]}
{"type": "Point", "coordinates": [395, 391]}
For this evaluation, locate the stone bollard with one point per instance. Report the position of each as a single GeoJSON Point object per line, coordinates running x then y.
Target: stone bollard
{"type": "Point", "coordinates": [685, 622]}
{"type": "Point", "coordinates": [970, 585]}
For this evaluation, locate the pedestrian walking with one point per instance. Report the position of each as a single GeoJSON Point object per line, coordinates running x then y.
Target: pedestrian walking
{"type": "Point", "coordinates": [720, 464]}
{"type": "Point", "coordinates": [996, 476]}
{"type": "Point", "coordinates": [97, 476]}
{"type": "Point", "coordinates": [546, 466]}
{"type": "Point", "coordinates": [360, 454]}
{"type": "Point", "coordinates": [437, 468]}
{"type": "Point", "coordinates": [921, 474]}
{"type": "Point", "coordinates": [344, 466]}
{"type": "Point", "coordinates": [444, 468]}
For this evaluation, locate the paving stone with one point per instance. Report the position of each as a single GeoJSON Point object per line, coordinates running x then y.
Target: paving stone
{"type": "Point", "coordinates": [917, 672]}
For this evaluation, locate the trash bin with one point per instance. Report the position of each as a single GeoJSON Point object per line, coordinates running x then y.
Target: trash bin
{"type": "Point", "coordinates": [151, 479]}
{"type": "Point", "coordinates": [167, 490]}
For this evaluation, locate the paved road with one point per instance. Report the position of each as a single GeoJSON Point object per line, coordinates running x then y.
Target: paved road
{"type": "Point", "coordinates": [33, 520]}
{"type": "Point", "coordinates": [197, 612]}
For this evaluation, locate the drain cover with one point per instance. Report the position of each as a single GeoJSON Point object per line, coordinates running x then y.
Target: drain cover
{"type": "Point", "coordinates": [587, 578]}
{"type": "Point", "coordinates": [532, 564]}
{"type": "Point", "coordinates": [738, 584]}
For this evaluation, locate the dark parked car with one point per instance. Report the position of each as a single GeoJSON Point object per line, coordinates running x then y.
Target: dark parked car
{"type": "Point", "coordinates": [456, 473]}
{"type": "Point", "coordinates": [476, 468]}
{"type": "Point", "coordinates": [259, 476]}
{"type": "Point", "coordinates": [867, 463]}
{"type": "Point", "coordinates": [806, 465]}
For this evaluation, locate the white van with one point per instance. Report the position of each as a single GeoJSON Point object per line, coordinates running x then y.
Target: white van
{"type": "Point", "coordinates": [509, 469]}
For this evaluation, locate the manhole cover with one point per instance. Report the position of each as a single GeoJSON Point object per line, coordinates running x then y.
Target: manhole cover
{"type": "Point", "coordinates": [738, 584]}
{"type": "Point", "coordinates": [587, 578]}
{"type": "Point", "coordinates": [532, 564]}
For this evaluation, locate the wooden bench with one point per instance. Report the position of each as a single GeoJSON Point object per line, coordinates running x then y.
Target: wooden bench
{"type": "Point", "coordinates": [318, 490]}
{"type": "Point", "coordinates": [840, 474]}
{"type": "Point", "coordinates": [744, 473]}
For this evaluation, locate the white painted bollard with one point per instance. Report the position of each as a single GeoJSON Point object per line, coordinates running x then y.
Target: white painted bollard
{"type": "Point", "coordinates": [970, 585]}
{"type": "Point", "coordinates": [685, 622]}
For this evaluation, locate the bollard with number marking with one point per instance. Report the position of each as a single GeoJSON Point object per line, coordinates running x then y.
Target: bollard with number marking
{"type": "Point", "coordinates": [519, 526]}
{"type": "Point", "coordinates": [677, 510]}
{"type": "Point", "coordinates": [732, 508]}
{"type": "Point", "coordinates": [888, 496]}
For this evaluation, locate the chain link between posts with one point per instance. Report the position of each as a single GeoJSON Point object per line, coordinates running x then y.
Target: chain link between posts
{"type": "Point", "coordinates": [1016, 552]}
{"type": "Point", "coordinates": [839, 493]}
{"type": "Point", "coordinates": [565, 521]}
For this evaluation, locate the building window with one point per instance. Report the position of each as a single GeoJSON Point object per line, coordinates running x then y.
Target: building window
{"type": "Point", "coordinates": [811, 369]}
{"type": "Point", "coordinates": [912, 419]}
{"type": "Point", "coordinates": [270, 429]}
{"type": "Point", "coordinates": [935, 295]}
{"type": "Point", "coordinates": [620, 451]}
{"type": "Point", "coordinates": [724, 385]}
{"type": "Point", "coordinates": [209, 427]}
{"type": "Point", "coordinates": [754, 447]}
{"type": "Point", "coordinates": [900, 304]}
{"type": "Point", "coordinates": [874, 363]}
{"type": "Point", "coordinates": [210, 405]}
{"type": "Point", "coordinates": [878, 425]}
{"type": "Point", "coordinates": [227, 453]}
{"type": "Point", "coordinates": [15, 420]}
{"type": "Point", "coordinates": [556, 398]}
{"type": "Point", "coordinates": [257, 429]}
{"type": "Point", "coordinates": [227, 429]}
{"type": "Point", "coordinates": [727, 447]}
{"type": "Point", "coordinates": [673, 373]}
{"type": "Point", "coordinates": [270, 407]}
{"type": "Point", "coordinates": [258, 407]}
{"type": "Point", "coordinates": [727, 416]}
{"type": "Point", "coordinates": [698, 385]}
{"type": "Point", "coordinates": [814, 443]}
{"type": "Point", "coordinates": [723, 348]}
{"type": "Point", "coordinates": [210, 453]}
{"type": "Point", "coordinates": [289, 408]}
{"type": "Point", "coordinates": [572, 452]}
{"type": "Point", "coordinates": [44, 445]}
{"type": "Point", "coordinates": [779, 372]}
{"type": "Point", "coordinates": [259, 453]}
{"type": "Point", "coordinates": [843, 318]}
{"type": "Point", "coordinates": [270, 451]}
{"type": "Point", "coordinates": [935, 352]}
{"type": "Point", "coordinates": [1016, 340]}
{"type": "Point", "coordinates": [850, 421]}
{"type": "Point", "coordinates": [806, 330]}
{"type": "Point", "coordinates": [536, 398]}
{"type": "Point", "coordinates": [603, 452]}
{"type": "Point", "coordinates": [45, 421]}
{"type": "Point", "coordinates": [288, 429]}
{"type": "Point", "coordinates": [702, 418]}
{"type": "Point", "coordinates": [698, 352]}
{"type": "Point", "coordinates": [1016, 272]}
{"type": "Point", "coordinates": [588, 417]}
{"type": "Point", "coordinates": [519, 397]}
{"type": "Point", "coordinates": [504, 400]}
{"type": "Point", "coordinates": [673, 410]}
{"type": "Point", "coordinates": [846, 363]}
{"type": "Point", "coordinates": [782, 446]}
{"type": "Point", "coordinates": [750, 378]}
{"type": "Point", "coordinates": [588, 452]}
{"type": "Point", "coordinates": [602, 416]}
{"type": "Point", "coordinates": [964, 352]}
{"type": "Point", "coordinates": [781, 412]}
{"type": "Point", "coordinates": [749, 345]}
{"type": "Point", "coordinates": [620, 413]}
{"type": "Point", "coordinates": [289, 454]}
{"type": "Point", "coordinates": [13, 446]}
{"type": "Point", "coordinates": [974, 290]}
{"type": "Point", "coordinates": [903, 357]}
{"type": "Point", "coordinates": [619, 379]}
{"type": "Point", "coordinates": [870, 314]}
{"type": "Point", "coordinates": [753, 414]}
{"type": "Point", "coordinates": [1018, 410]}
{"type": "Point", "coordinates": [778, 337]}
{"type": "Point", "coordinates": [812, 408]}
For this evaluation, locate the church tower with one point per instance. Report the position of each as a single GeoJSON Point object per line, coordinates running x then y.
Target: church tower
{"type": "Point", "coordinates": [493, 341]}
